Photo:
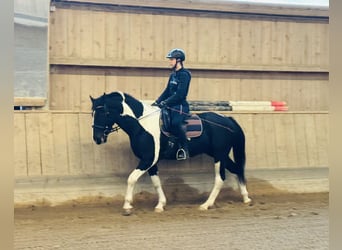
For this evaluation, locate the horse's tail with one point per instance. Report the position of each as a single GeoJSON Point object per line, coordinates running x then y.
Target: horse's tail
{"type": "Point", "coordinates": [239, 151]}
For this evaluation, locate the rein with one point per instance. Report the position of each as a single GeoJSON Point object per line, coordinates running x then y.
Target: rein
{"type": "Point", "coordinates": [108, 130]}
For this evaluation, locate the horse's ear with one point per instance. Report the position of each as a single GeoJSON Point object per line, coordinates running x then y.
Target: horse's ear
{"type": "Point", "coordinates": [91, 98]}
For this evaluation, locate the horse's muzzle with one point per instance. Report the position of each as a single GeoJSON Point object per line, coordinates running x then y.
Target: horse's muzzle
{"type": "Point", "coordinates": [100, 140]}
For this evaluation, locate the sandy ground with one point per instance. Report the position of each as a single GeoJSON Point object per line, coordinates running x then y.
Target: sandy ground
{"type": "Point", "coordinates": [274, 220]}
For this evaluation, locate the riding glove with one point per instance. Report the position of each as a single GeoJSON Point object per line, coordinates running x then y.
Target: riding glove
{"type": "Point", "coordinates": [162, 104]}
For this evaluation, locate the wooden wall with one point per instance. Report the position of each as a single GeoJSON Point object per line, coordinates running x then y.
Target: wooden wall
{"type": "Point", "coordinates": [237, 54]}
{"type": "Point", "coordinates": [302, 91]}
{"type": "Point", "coordinates": [60, 143]}
{"type": "Point", "coordinates": [233, 56]}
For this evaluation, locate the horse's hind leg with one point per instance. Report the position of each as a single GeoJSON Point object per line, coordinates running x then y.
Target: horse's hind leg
{"type": "Point", "coordinates": [153, 172]}
{"type": "Point", "coordinates": [216, 190]}
{"type": "Point", "coordinates": [239, 171]}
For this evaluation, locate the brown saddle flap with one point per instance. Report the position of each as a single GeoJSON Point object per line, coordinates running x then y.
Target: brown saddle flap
{"type": "Point", "coordinates": [194, 127]}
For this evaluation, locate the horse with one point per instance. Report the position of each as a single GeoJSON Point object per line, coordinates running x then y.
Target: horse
{"type": "Point", "coordinates": [141, 122]}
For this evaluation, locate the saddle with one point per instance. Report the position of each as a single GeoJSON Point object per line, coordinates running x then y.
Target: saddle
{"type": "Point", "coordinates": [193, 124]}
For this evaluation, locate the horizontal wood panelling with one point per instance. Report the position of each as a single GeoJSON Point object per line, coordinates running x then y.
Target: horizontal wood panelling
{"type": "Point", "coordinates": [302, 91]}
{"type": "Point", "coordinates": [85, 36]}
{"type": "Point", "coordinates": [233, 56]}
{"type": "Point", "coordinates": [60, 143]}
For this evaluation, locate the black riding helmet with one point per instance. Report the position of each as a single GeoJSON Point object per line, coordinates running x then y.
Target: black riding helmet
{"type": "Point", "coordinates": [178, 54]}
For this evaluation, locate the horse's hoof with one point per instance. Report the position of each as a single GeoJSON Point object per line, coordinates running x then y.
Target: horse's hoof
{"type": "Point", "coordinates": [158, 210]}
{"type": "Point", "coordinates": [127, 212]}
{"type": "Point", "coordinates": [203, 208]}
{"type": "Point", "coordinates": [247, 200]}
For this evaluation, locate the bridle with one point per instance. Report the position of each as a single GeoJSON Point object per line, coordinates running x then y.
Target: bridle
{"type": "Point", "coordinates": [109, 129]}
{"type": "Point", "coordinates": [106, 129]}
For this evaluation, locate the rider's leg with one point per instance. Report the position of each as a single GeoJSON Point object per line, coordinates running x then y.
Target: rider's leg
{"type": "Point", "coordinates": [183, 151]}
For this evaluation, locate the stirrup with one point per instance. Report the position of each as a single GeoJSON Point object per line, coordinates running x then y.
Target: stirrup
{"type": "Point", "coordinates": [181, 154]}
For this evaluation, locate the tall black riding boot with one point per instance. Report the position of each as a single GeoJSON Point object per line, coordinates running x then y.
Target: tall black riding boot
{"type": "Point", "coordinates": [183, 151]}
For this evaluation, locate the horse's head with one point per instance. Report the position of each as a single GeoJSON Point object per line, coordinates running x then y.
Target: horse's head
{"type": "Point", "coordinates": [106, 111]}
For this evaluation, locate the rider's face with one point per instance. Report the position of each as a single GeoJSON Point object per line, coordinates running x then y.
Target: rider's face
{"type": "Point", "coordinates": [172, 62]}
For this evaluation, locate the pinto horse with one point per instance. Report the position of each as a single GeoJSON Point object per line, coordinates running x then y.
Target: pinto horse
{"type": "Point", "coordinates": [141, 122]}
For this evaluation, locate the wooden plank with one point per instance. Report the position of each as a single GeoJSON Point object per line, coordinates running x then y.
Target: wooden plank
{"type": "Point", "coordinates": [74, 28]}
{"type": "Point", "coordinates": [260, 141]}
{"type": "Point", "coordinates": [271, 159]}
{"type": "Point", "coordinates": [86, 34]}
{"type": "Point", "coordinates": [246, 50]}
{"type": "Point", "coordinates": [246, 122]}
{"type": "Point", "coordinates": [30, 101]}
{"type": "Point", "coordinates": [132, 37]}
{"type": "Point", "coordinates": [20, 145]}
{"type": "Point", "coordinates": [99, 34]}
{"type": "Point", "coordinates": [58, 33]}
{"type": "Point", "coordinates": [311, 140]}
{"type": "Point", "coordinates": [266, 42]}
{"type": "Point", "coordinates": [224, 40]}
{"type": "Point", "coordinates": [112, 37]}
{"type": "Point", "coordinates": [234, 66]}
{"type": "Point", "coordinates": [123, 36]}
{"type": "Point", "coordinates": [192, 40]}
{"type": "Point", "coordinates": [111, 80]}
{"type": "Point", "coordinates": [257, 42]}
{"type": "Point", "coordinates": [47, 144]}
{"type": "Point", "coordinates": [208, 43]}
{"type": "Point", "coordinates": [148, 37]}
{"type": "Point", "coordinates": [159, 40]}
{"type": "Point", "coordinates": [99, 152]}
{"type": "Point", "coordinates": [277, 43]}
{"type": "Point", "coordinates": [322, 138]}
{"type": "Point", "coordinates": [59, 98]}
{"type": "Point", "coordinates": [301, 143]}
{"type": "Point", "coordinates": [280, 136]}
{"type": "Point", "coordinates": [130, 82]}
{"type": "Point", "coordinates": [74, 147]}
{"type": "Point", "coordinates": [86, 144]}
{"type": "Point", "coordinates": [93, 83]}
{"type": "Point", "coordinates": [290, 140]}
{"type": "Point", "coordinates": [60, 144]}
{"type": "Point", "coordinates": [33, 144]}
{"type": "Point", "coordinates": [74, 86]}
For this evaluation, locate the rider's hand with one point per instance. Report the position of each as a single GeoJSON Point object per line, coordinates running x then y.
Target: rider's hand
{"type": "Point", "coordinates": [162, 104]}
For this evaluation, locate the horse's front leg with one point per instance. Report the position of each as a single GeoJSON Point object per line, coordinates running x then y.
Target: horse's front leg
{"type": "Point", "coordinates": [131, 181]}
{"type": "Point", "coordinates": [153, 172]}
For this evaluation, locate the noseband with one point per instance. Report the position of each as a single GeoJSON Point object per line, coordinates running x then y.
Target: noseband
{"type": "Point", "coordinates": [106, 129]}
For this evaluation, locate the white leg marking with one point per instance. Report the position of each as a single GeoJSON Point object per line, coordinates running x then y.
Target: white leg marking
{"type": "Point", "coordinates": [161, 196]}
{"type": "Point", "coordinates": [244, 193]}
{"type": "Point", "coordinates": [216, 190]}
{"type": "Point", "coordinates": [132, 179]}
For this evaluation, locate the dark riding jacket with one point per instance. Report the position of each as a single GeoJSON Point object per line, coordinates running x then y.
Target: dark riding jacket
{"type": "Point", "coordinates": [177, 90]}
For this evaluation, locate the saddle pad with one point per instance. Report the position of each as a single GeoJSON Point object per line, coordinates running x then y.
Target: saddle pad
{"type": "Point", "coordinates": [194, 127]}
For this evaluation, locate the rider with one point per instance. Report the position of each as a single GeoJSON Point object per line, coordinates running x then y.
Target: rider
{"type": "Point", "coordinates": [174, 98]}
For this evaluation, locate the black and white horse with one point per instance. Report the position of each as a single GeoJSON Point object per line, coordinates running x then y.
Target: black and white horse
{"type": "Point", "coordinates": [141, 123]}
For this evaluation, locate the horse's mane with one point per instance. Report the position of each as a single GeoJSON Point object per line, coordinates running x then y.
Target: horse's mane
{"type": "Point", "coordinates": [136, 106]}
